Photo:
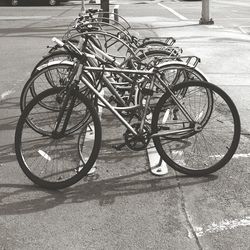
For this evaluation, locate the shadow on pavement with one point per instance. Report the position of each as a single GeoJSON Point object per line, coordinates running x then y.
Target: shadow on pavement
{"type": "Point", "coordinates": [34, 32]}
{"type": "Point", "coordinates": [7, 153]}
{"type": "Point", "coordinates": [7, 128]}
{"type": "Point", "coordinates": [9, 103]}
{"type": "Point", "coordinates": [24, 199]}
{"type": "Point", "coordinates": [8, 123]}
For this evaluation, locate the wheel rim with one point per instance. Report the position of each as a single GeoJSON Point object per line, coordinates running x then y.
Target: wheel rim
{"type": "Point", "coordinates": [57, 162]}
{"type": "Point", "coordinates": [206, 151]}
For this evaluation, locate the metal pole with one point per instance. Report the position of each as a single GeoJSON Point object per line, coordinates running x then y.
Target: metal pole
{"type": "Point", "coordinates": [116, 17]}
{"type": "Point", "coordinates": [83, 9]}
{"type": "Point", "coordinates": [105, 8]}
{"type": "Point", "coordinates": [205, 13]}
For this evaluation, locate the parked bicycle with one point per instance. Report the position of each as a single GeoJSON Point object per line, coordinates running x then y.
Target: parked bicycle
{"type": "Point", "coordinates": [194, 126]}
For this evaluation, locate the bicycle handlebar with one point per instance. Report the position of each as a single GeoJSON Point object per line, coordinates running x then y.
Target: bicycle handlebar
{"type": "Point", "coordinates": [70, 46]}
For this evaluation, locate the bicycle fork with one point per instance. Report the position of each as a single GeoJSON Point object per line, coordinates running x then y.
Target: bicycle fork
{"type": "Point", "coordinates": [67, 106]}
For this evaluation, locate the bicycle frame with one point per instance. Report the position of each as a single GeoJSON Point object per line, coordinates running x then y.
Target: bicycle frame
{"type": "Point", "coordinates": [152, 72]}
{"type": "Point", "coordinates": [114, 110]}
{"type": "Point", "coordinates": [113, 65]}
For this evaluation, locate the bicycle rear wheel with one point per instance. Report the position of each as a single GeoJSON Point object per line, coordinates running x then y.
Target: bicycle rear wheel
{"type": "Point", "coordinates": [171, 74]}
{"type": "Point", "coordinates": [58, 55]}
{"type": "Point", "coordinates": [211, 142]}
{"type": "Point", "coordinates": [55, 162]}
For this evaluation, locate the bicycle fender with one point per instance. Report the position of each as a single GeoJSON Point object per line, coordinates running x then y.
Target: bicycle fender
{"type": "Point", "coordinates": [62, 62]}
{"type": "Point", "coordinates": [182, 64]}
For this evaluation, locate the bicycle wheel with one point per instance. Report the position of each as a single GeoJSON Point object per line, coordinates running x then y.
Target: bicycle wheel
{"type": "Point", "coordinates": [60, 75]}
{"type": "Point", "coordinates": [55, 162]}
{"type": "Point", "coordinates": [58, 55]}
{"type": "Point", "coordinates": [150, 56]}
{"type": "Point", "coordinates": [171, 74]}
{"type": "Point", "coordinates": [208, 144]}
{"type": "Point", "coordinates": [162, 56]}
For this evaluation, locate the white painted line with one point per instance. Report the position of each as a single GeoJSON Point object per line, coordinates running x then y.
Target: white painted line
{"type": "Point", "coordinates": [232, 3]}
{"type": "Point", "coordinates": [44, 155]}
{"type": "Point", "coordinates": [215, 26]}
{"type": "Point", "coordinates": [173, 12]}
{"type": "Point", "coordinates": [197, 118]}
{"type": "Point", "coordinates": [235, 156]}
{"type": "Point", "coordinates": [23, 17]}
{"type": "Point", "coordinates": [6, 93]}
{"type": "Point", "coordinates": [178, 157]}
{"type": "Point", "coordinates": [242, 29]}
{"type": "Point", "coordinates": [222, 226]}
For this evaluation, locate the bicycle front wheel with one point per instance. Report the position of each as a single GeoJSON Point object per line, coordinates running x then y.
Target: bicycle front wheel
{"type": "Point", "coordinates": [56, 162]}
{"type": "Point", "coordinates": [204, 146]}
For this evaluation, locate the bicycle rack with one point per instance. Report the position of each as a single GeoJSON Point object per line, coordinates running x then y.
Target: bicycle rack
{"type": "Point", "coordinates": [156, 164]}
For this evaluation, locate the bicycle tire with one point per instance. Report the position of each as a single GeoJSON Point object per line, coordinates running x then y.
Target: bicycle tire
{"type": "Point", "coordinates": [218, 138]}
{"type": "Point", "coordinates": [55, 55]}
{"type": "Point", "coordinates": [55, 163]}
{"type": "Point", "coordinates": [38, 82]}
{"type": "Point", "coordinates": [176, 69]}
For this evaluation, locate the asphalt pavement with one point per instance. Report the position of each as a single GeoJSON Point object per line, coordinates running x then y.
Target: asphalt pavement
{"type": "Point", "coordinates": [124, 206]}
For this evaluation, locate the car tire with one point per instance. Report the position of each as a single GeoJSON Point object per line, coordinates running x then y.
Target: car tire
{"type": "Point", "coordinates": [53, 2]}
{"type": "Point", "coordinates": [14, 2]}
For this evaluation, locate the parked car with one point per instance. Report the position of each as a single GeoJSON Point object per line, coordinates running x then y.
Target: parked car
{"type": "Point", "coordinates": [49, 2]}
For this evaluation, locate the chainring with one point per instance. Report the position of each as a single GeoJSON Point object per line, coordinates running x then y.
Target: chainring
{"type": "Point", "coordinates": [140, 141]}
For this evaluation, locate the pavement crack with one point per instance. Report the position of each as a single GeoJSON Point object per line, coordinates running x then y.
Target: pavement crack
{"type": "Point", "coordinates": [187, 218]}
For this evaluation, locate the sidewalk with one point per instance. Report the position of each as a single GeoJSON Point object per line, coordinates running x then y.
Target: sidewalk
{"type": "Point", "coordinates": [224, 53]}
{"type": "Point", "coordinates": [225, 61]}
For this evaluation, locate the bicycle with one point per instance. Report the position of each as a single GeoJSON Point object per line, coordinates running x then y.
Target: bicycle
{"type": "Point", "coordinates": [54, 73]}
{"type": "Point", "coordinates": [95, 18]}
{"type": "Point", "coordinates": [81, 26]}
{"type": "Point", "coordinates": [203, 115]}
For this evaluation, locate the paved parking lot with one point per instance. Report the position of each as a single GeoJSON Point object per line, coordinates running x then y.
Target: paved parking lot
{"type": "Point", "coordinates": [124, 206]}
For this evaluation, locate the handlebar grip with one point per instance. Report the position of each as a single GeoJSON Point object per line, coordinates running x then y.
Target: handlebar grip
{"type": "Point", "coordinates": [58, 41]}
